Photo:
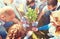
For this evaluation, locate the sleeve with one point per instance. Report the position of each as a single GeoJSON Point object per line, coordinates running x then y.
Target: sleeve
{"type": "Point", "coordinates": [45, 27]}
{"type": "Point", "coordinates": [45, 8]}
{"type": "Point", "coordinates": [8, 24]}
{"type": "Point", "coordinates": [3, 32]}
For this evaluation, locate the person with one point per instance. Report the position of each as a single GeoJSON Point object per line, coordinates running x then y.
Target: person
{"type": "Point", "coordinates": [52, 5]}
{"type": "Point", "coordinates": [15, 4]}
{"type": "Point", "coordinates": [40, 4]}
{"type": "Point", "coordinates": [16, 31]}
{"type": "Point", "coordinates": [31, 4]}
{"type": "Point", "coordinates": [7, 17]}
{"type": "Point", "coordinates": [7, 14]}
{"type": "Point", "coordinates": [53, 27]}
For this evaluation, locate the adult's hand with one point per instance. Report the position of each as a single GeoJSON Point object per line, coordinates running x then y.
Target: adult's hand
{"type": "Point", "coordinates": [34, 29]}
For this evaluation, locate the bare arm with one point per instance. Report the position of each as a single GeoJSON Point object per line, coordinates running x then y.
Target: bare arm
{"type": "Point", "coordinates": [40, 15]}
{"type": "Point", "coordinates": [15, 20]}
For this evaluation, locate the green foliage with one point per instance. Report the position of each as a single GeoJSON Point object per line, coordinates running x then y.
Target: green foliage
{"type": "Point", "coordinates": [31, 14]}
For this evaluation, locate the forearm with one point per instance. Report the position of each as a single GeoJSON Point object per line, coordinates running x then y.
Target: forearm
{"type": "Point", "coordinates": [16, 20]}
{"type": "Point", "coordinates": [45, 27]}
{"type": "Point", "coordinates": [40, 16]}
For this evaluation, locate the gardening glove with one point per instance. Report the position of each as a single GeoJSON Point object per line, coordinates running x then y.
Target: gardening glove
{"type": "Point", "coordinates": [25, 25]}
{"type": "Point", "coordinates": [28, 34]}
{"type": "Point", "coordinates": [35, 23]}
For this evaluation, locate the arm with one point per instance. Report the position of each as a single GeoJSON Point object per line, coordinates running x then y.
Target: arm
{"type": "Point", "coordinates": [39, 18]}
{"type": "Point", "coordinates": [45, 27]}
{"type": "Point", "coordinates": [15, 20]}
{"type": "Point", "coordinates": [40, 15]}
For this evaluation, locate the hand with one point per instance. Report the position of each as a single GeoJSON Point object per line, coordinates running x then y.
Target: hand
{"type": "Point", "coordinates": [25, 25]}
{"type": "Point", "coordinates": [29, 33]}
{"type": "Point", "coordinates": [35, 23]}
{"type": "Point", "coordinates": [34, 29]}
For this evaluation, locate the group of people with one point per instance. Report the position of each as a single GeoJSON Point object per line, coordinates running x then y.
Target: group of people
{"type": "Point", "coordinates": [12, 20]}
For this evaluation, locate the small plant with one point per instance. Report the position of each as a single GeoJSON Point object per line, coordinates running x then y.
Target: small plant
{"type": "Point", "coordinates": [31, 14]}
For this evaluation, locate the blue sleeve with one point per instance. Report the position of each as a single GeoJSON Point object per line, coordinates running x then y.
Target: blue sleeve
{"type": "Point", "coordinates": [45, 27]}
{"type": "Point", "coordinates": [3, 32]}
{"type": "Point", "coordinates": [8, 24]}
